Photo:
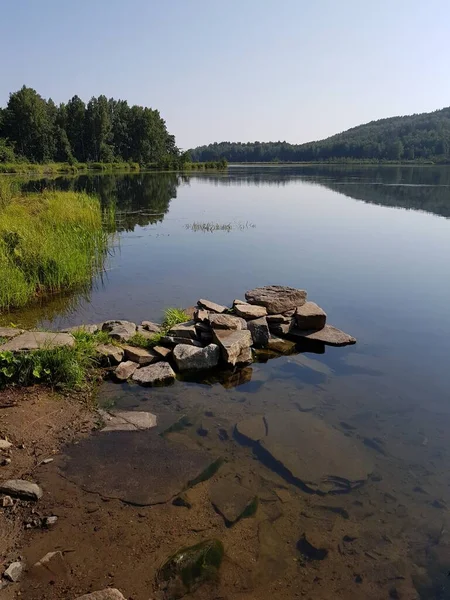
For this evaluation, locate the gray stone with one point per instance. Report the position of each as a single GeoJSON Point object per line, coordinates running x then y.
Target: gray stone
{"type": "Point", "coordinates": [250, 311]}
{"type": "Point", "coordinates": [163, 352]}
{"type": "Point", "coordinates": [281, 328]}
{"type": "Point", "coordinates": [211, 306]}
{"type": "Point", "coordinates": [308, 451]}
{"type": "Point", "coordinates": [276, 298]}
{"type": "Point", "coordinates": [120, 330]}
{"type": "Point", "coordinates": [280, 345]}
{"type": "Point", "coordinates": [141, 356]}
{"type": "Point", "coordinates": [10, 332]}
{"type": "Point", "coordinates": [35, 340]}
{"type": "Point", "coordinates": [20, 488]}
{"type": "Point", "coordinates": [14, 571]}
{"type": "Point", "coordinates": [232, 343]}
{"type": "Point", "coordinates": [106, 594]}
{"type": "Point", "coordinates": [170, 340]}
{"type": "Point", "coordinates": [156, 374]}
{"type": "Point", "coordinates": [260, 332]}
{"type": "Point", "coordinates": [128, 420]}
{"type": "Point", "coordinates": [150, 326]}
{"type": "Point", "coordinates": [109, 354]}
{"type": "Point", "coordinates": [226, 322]}
{"type": "Point", "coordinates": [51, 567]}
{"type": "Point", "coordinates": [145, 333]}
{"type": "Point", "coordinates": [189, 358]}
{"type": "Point", "coordinates": [183, 330]}
{"type": "Point", "coordinates": [310, 316]}
{"type": "Point", "coordinates": [5, 445]}
{"type": "Point", "coordinates": [329, 335]}
{"type": "Point", "coordinates": [245, 357]}
{"type": "Point", "coordinates": [125, 370]}
{"type": "Point", "coordinates": [232, 500]}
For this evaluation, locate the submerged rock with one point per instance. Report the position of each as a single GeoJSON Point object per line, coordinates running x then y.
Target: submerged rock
{"type": "Point", "coordinates": [211, 306]}
{"type": "Point", "coordinates": [260, 332]}
{"type": "Point", "coordinates": [307, 452]}
{"type": "Point", "coordinates": [276, 298]}
{"type": "Point", "coordinates": [189, 358]}
{"type": "Point", "coordinates": [120, 330]}
{"type": "Point", "coordinates": [20, 488]}
{"type": "Point", "coordinates": [127, 420]}
{"type": "Point", "coordinates": [328, 335]}
{"type": "Point", "coordinates": [232, 500]}
{"type": "Point", "coordinates": [190, 567]}
{"type": "Point", "coordinates": [233, 344]}
{"type": "Point", "coordinates": [250, 311]}
{"type": "Point", "coordinates": [109, 354]}
{"type": "Point", "coordinates": [156, 374]}
{"type": "Point", "coordinates": [280, 345]}
{"type": "Point", "coordinates": [106, 594]}
{"type": "Point", "coordinates": [82, 329]}
{"type": "Point", "coordinates": [36, 340]}
{"type": "Point", "coordinates": [310, 316]}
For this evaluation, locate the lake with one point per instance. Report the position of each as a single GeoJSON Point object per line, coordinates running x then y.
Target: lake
{"type": "Point", "coordinates": [371, 246]}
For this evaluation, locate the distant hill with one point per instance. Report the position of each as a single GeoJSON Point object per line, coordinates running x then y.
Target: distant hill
{"type": "Point", "coordinates": [424, 136]}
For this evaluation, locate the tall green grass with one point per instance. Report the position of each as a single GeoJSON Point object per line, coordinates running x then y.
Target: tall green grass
{"type": "Point", "coordinates": [64, 167]}
{"type": "Point", "coordinates": [49, 242]}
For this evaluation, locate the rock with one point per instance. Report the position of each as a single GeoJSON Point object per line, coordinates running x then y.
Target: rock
{"type": "Point", "coordinates": [5, 445]}
{"type": "Point", "coordinates": [35, 340]}
{"type": "Point", "coordinates": [226, 322]}
{"type": "Point", "coordinates": [148, 335]}
{"type": "Point", "coordinates": [128, 420]}
{"type": "Point", "coordinates": [212, 306]}
{"type": "Point", "coordinates": [276, 298]}
{"type": "Point", "coordinates": [120, 330]}
{"type": "Point", "coordinates": [125, 370]}
{"type": "Point", "coordinates": [52, 566]}
{"type": "Point", "coordinates": [156, 374]}
{"type": "Point", "coordinates": [188, 568]}
{"type": "Point", "coordinates": [7, 501]}
{"type": "Point", "coordinates": [189, 358]}
{"type": "Point", "coordinates": [201, 315]}
{"type": "Point", "coordinates": [260, 332]}
{"type": "Point", "coordinates": [82, 329]}
{"type": "Point", "coordinates": [173, 341]}
{"type": "Point", "coordinates": [137, 467]}
{"type": "Point", "coordinates": [307, 451]}
{"type": "Point", "coordinates": [183, 330]}
{"type": "Point", "coordinates": [20, 488]}
{"type": "Point", "coordinates": [10, 332]}
{"type": "Point", "coordinates": [237, 301]}
{"type": "Point", "coordinates": [233, 379]}
{"type": "Point", "coordinates": [309, 551]}
{"type": "Point", "coordinates": [245, 357]}
{"type": "Point", "coordinates": [190, 312]}
{"type": "Point", "coordinates": [250, 311]}
{"type": "Point", "coordinates": [151, 327]}
{"type": "Point", "coordinates": [14, 571]}
{"type": "Point", "coordinates": [141, 356]}
{"type": "Point", "coordinates": [310, 316]}
{"type": "Point", "coordinates": [5, 462]}
{"type": "Point", "coordinates": [232, 343]}
{"type": "Point", "coordinates": [279, 345]}
{"type": "Point", "coordinates": [232, 500]}
{"type": "Point", "coordinates": [281, 328]}
{"type": "Point", "coordinates": [50, 521]}
{"type": "Point", "coordinates": [328, 335]}
{"type": "Point", "coordinates": [286, 319]}
{"type": "Point", "coordinates": [109, 354]}
{"type": "Point", "coordinates": [106, 594]}
{"type": "Point", "coordinates": [163, 352]}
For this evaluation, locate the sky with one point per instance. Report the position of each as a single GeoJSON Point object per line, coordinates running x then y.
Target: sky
{"type": "Point", "coordinates": [240, 70]}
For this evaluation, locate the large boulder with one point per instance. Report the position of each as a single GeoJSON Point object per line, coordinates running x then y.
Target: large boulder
{"type": "Point", "coordinates": [260, 332]}
{"type": "Point", "coordinates": [141, 356]}
{"type": "Point", "coordinates": [120, 330]}
{"type": "Point", "coordinates": [250, 311]}
{"type": "Point", "coordinates": [183, 330]}
{"type": "Point", "coordinates": [220, 321]}
{"type": "Point", "coordinates": [37, 340]}
{"type": "Point", "coordinates": [157, 374]}
{"type": "Point", "coordinates": [211, 306]}
{"type": "Point", "coordinates": [280, 345]}
{"type": "Point", "coordinates": [310, 316]}
{"type": "Point", "coordinates": [276, 298]}
{"type": "Point", "coordinates": [234, 345]}
{"type": "Point", "coordinates": [329, 335]}
{"type": "Point", "coordinates": [189, 358]}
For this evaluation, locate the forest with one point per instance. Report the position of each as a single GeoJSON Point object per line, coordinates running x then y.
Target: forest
{"type": "Point", "coordinates": [102, 131]}
{"type": "Point", "coordinates": [421, 137]}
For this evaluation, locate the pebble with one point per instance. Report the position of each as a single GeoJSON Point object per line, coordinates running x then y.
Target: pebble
{"type": "Point", "coordinates": [6, 462]}
{"type": "Point", "coordinates": [49, 521]}
{"type": "Point", "coordinates": [46, 461]}
{"type": "Point", "coordinates": [7, 501]}
{"type": "Point", "coordinates": [5, 445]}
{"type": "Point", "coordinates": [14, 571]}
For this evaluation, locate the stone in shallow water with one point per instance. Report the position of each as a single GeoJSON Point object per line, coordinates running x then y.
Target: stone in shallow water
{"type": "Point", "coordinates": [232, 500]}
{"type": "Point", "coordinates": [280, 345]}
{"type": "Point", "coordinates": [328, 335]}
{"type": "Point", "coordinates": [276, 298]}
{"type": "Point", "coordinates": [189, 358]}
{"type": "Point", "coordinates": [35, 340]}
{"type": "Point", "coordinates": [307, 451]}
{"type": "Point", "coordinates": [127, 420]}
{"type": "Point", "coordinates": [120, 330]}
{"type": "Point", "coordinates": [211, 306]}
{"type": "Point", "coordinates": [109, 354]}
{"type": "Point", "coordinates": [310, 316]}
{"type": "Point", "coordinates": [250, 311]}
{"type": "Point", "coordinates": [170, 340]}
{"type": "Point", "coordinates": [106, 594]}
{"type": "Point", "coordinates": [137, 467]}
{"type": "Point", "coordinates": [125, 370]}
{"type": "Point", "coordinates": [233, 344]}
{"type": "Point", "coordinates": [156, 374]}
{"type": "Point", "coordinates": [141, 356]}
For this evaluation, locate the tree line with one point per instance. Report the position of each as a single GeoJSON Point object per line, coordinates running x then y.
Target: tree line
{"type": "Point", "coordinates": [419, 137]}
{"type": "Point", "coordinates": [103, 130]}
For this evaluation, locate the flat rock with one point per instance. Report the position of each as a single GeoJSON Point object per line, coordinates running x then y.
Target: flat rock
{"type": "Point", "coordinates": [151, 327]}
{"type": "Point", "coordinates": [287, 319]}
{"type": "Point", "coordinates": [245, 357]}
{"type": "Point", "coordinates": [52, 566]}
{"type": "Point", "coordinates": [310, 316]}
{"type": "Point", "coordinates": [280, 345]}
{"type": "Point", "coordinates": [145, 333]}
{"type": "Point", "coordinates": [276, 298]}
{"type": "Point", "coordinates": [201, 315]}
{"type": "Point", "coordinates": [120, 330]}
{"type": "Point", "coordinates": [232, 343]}
{"type": "Point", "coordinates": [141, 356]}
{"type": "Point", "coordinates": [137, 467]}
{"type": "Point", "coordinates": [307, 451]}
{"type": "Point", "coordinates": [250, 311]}
{"type": "Point", "coordinates": [218, 321]}
{"type": "Point", "coordinates": [189, 358]}
{"type": "Point", "coordinates": [109, 354]}
{"type": "Point", "coordinates": [106, 594]}
{"type": "Point", "coordinates": [232, 500]}
{"type": "Point", "coordinates": [211, 306]}
{"type": "Point", "coordinates": [10, 332]}
{"type": "Point", "coordinates": [19, 488]}
{"type": "Point", "coordinates": [328, 335]}
{"type": "Point", "coordinates": [125, 370]}
{"type": "Point", "coordinates": [183, 330]}
{"type": "Point", "coordinates": [171, 340]}
{"type": "Point", "coordinates": [127, 420]}
{"type": "Point", "coordinates": [156, 374]}
{"type": "Point", "coordinates": [279, 328]}
{"type": "Point", "coordinates": [163, 352]}
{"type": "Point", "coordinates": [14, 571]}
{"type": "Point", "coordinates": [260, 332]}
{"type": "Point", "coordinates": [35, 340]}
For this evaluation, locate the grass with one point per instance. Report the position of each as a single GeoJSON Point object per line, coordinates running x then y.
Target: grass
{"type": "Point", "coordinates": [49, 242]}
{"type": "Point", "coordinates": [64, 167]}
{"type": "Point", "coordinates": [172, 316]}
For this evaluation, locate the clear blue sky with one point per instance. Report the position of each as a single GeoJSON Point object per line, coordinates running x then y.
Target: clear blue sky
{"type": "Point", "coordinates": [239, 70]}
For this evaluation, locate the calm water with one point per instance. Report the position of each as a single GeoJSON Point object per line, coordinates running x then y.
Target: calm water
{"type": "Point", "coordinates": [371, 246]}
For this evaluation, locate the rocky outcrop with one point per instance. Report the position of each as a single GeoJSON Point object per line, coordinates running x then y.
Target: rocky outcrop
{"type": "Point", "coordinates": [310, 316]}
{"type": "Point", "coordinates": [276, 298]}
{"type": "Point", "coordinates": [189, 358]}
{"type": "Point", "coordinates": [260, 332]}
{"type": "Point", "coordinates": [120, 330]}
{"type": "Point", "coordinates": [183, 330]}
{"type": "Point", "coordinates": [156, 374]}
{"type": "Point", "coordinates": [37, 340]}
{"type": "Point", "coordinates": [234, 345]}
